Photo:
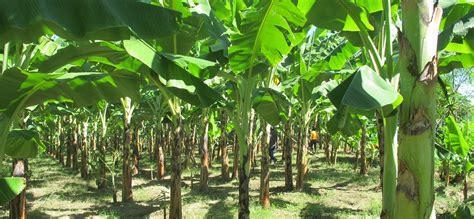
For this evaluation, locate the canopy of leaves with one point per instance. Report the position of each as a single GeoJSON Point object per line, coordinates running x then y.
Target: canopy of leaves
{"type": "Point", "coordinates": [27, 20]}
{"type": "Point", "coordinates": [22, 89]}
{"type": "Point", "coordinates": [178, 74]}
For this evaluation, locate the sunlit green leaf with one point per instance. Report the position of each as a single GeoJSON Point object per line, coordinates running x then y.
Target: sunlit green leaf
{"type": "Point", "coordinates": [23, 144]}
{"type": "Point", "coordinates": [10, 187]}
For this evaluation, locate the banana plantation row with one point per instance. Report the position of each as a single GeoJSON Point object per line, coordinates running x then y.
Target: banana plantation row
{"type": "Point", "coordinates": [100, 79]}
{"type": "Point", "coordinates": [97, 150]}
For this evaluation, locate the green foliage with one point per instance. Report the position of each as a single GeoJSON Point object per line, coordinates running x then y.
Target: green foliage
{"type": "Point", "coordinates": [363, 91]}
{"type": "Point", "coordinates": [337, 58]}
{"type": "Point", "coordinates": [27, 20]}
{"type": "Point", "coordinates": [455, 138]}
{"type": "Point", "coordinates": [10, 187]}
{"type": "Point", "coordinates": [23, 144]}
{"type": "Point", "coordinates": [22, 89]}
{"type": "Point", "coordinates": [455, 61]}
{"type": "Point", "coordinates": [107, 52]}
{"type": "Point", "coordinates": [175, 73]}
{"type": "Point", "coordinates": [186, 53]}
{"type": "Point", "coordinates": [271, 105]}
{"type": "Point", "coordinates": [265, 30]}
{"type": "Point", "coordinates": [334, 14]}
{"type": "Point", "coordinates": [456, 39]}
{"type": "Point", "coordinates": [456, 26]}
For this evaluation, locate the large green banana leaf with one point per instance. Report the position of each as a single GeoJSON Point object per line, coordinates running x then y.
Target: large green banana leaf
{"type": "Point", "coordinates": [191, 31]}
{"type": "Point", "coordinates": [271, 105]}
{"type": "Point", "coordinates": [337, 58]}
{"type": "Point", "coordinates": [457, 37]}
{"type": "Point", "coordinates": [363, 91]}
{"type": "Point", "coordinates": [334, 14]}
{"type": "Point", "coordinates": [178, 74]}
{"type": "Point", "coordinates": [348, 124]}
{"type": "Point", "coordinates": [456, 26]}
{"type": "Point", "coordinates": [10, 187]}
{"type": "Point", "coordinates": [111, 55]}
{"type": "Point", "coordinates": [27, 20]}
{"type": "Point", "coordinates": [455, 138]}
{"type": "Point", "coordinates": [23, 144]}
{"type": "Point", "coordinates": [306, 90]}
{"type": "Point", "coordinates": [108, 52]}
{"type": "Point", "coordinates": [21, 89]}
{"type": "Point", "coordinates": [265, 31]}
{"type": "Point", "coordinates": [449, 63]}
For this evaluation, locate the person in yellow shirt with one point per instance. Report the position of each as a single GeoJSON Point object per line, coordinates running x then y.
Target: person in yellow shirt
{"type": "Point", "coordinates": [313, 140]}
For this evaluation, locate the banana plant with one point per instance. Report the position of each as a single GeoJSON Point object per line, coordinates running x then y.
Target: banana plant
{"type": "Point", "coordinates": [456, 151]}
{"type": "Point", "coordinates": [258, 39]}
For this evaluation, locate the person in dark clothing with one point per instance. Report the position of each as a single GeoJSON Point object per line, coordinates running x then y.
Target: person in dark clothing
{"type": "Point", "coordinates": [273, 145]}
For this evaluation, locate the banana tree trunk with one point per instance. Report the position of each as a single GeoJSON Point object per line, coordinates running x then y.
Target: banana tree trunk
{"type": "Point", "coordinates": [160, 156]}
{"type": "Point", "coordinates": [265, 169]}
{"type": "Point", "coordinates": [61, 142]}
{"type": "Point", "coordinates": [251, 144]}
{"type": "Point", "coordinates": [151, 144]}
{"type": "Point", "coordinates": [334, 148]}
{"type": "Point", "coordinates": [101, 182]}
{"type": "Point", "coordinates": [380, 139]}
{"type": "Point", "coordinates": [84, 151]}
{"type": "Point", "coordinates": [75, 147]}
{"type": "Point", "coordinates": [136, 151]}
{"type": "Point", "coordinates": [69, 148]}
{"type": "Point", "coordinates": [356, 163]}
{"type": "Point", "coordinates": [205, 156]}
{"type": "Point", "coordinates": [224, 156]}
{"type": "Point", "coordinates": [388, 125]}
{"type": "Point", "coordinates": [301, 160]}
{"type": "Point", "coordinates": [18, 204]}
{"type": "Point", "coordinates": [94, 138]}
{"type": "Point", "coordinates": [126, 170]}
{"type": "Point", "coordinates": [244, 179]}
{"type": "Point", "coordinates": [418, 77]}
{"type": "Point", "coordinates": [189, 149]}
{"type": "Point", "coordinates": [213, 154]}
{"type": "Point", "coordinates": [194, 142]}
{"type": "Point", "coordinates": [57, 152]}
{"type": "Point", "coordinates": [288, 148]}
{"type": "Point", "coordinates": [363, 158]}
{"type": "Point", "coordinates": [175, 196]}
{"type": "Point", "coordinates": [390, 168]}
{"type": "Point", "coordinates": [242, 124]}
{"type": "Point", "coordinates": [235, 166]}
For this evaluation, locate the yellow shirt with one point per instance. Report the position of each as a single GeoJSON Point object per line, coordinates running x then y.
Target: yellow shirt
{"type": "Point", "coordinates": [314, 135]}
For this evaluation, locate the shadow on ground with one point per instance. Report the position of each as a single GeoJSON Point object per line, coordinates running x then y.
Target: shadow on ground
{"type": "Point", "coordinates": [315, 210]}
